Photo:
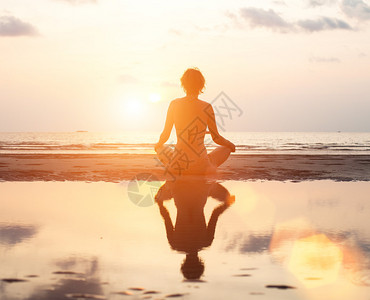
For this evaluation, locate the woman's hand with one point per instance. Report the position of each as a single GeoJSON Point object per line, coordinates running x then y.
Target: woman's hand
{"type": "Point", "coordinates": [231, 146]}
{"type": "Point", "coordinates": [157, 146]}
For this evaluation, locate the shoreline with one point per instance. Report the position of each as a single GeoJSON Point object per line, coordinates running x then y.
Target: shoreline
{"type": "Point", "coordinates": [119, 167]}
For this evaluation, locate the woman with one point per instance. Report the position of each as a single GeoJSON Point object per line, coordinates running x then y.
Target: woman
{"type": "Point", "coordinates": [191, 233]}
{"type": "Point", "coordinates": [191, 118]}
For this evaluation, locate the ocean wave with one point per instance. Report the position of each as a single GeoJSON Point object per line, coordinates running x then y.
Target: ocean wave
{"type": "Point", "coordinates": [260, 143]}
{"type": "Point", "coordinates": [148, 147]}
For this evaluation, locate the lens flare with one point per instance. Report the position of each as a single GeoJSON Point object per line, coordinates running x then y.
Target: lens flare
{"type": "Point", "coordinates": [315, 260]}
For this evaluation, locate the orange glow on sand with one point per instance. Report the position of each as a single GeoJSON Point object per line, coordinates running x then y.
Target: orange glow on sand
{"type": "Point", "coordinates": [315, 260]}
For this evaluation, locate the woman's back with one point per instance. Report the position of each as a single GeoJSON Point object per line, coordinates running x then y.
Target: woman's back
{"type": "Point", "coordinates": [190, 120]}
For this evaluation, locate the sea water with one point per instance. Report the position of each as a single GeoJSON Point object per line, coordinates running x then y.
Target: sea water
{"type": "Point", "coordinates": [353, 143]}
{"type": "Point", "coordinates": [77, 240]}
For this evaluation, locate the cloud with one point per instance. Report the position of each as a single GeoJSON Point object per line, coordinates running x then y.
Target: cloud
{"type": "Point", "coordinates": [176, 32]}
{"type": "Point", "coordinates": [264, 18]}
{"type": "Point", "coordinates": [250, 243]}
{"type": "Point", "coordinates": [323, 23]}
{"type": "Point", "coordinates": [315, 59]}
{"type": "Point", "coordinates": [169, 84]}
{"type": "Point", "coordinates": [11, 234]}
{"type": "Point", "coordinates": [128, 79]}
{"type": "Point", "coordinates": [315, 3]}
{"type": "Point", "coordinates": [270, 19]}
{"type": "Point", "coordinates": [76, 2]}
{"type": "Point", "coordinates": [85, 283]}
{"type": "Point", "coordinates": [279, 2]}
{"type": "Point", "coordinates": [356, 9]}
{"type": "Point", "coordinates": [12, 26]}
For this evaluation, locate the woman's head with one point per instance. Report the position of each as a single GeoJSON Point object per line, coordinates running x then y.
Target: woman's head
{"type": "Point", "coordinates": [193, 267]}
{"type": "Point", "coordinates": [192, 81]}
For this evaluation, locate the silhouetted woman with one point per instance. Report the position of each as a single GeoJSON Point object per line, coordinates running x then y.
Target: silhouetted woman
{"type": "Point", "coordinates": [191, 118]}
{"type": "Point", "coordinates": [191, 233]}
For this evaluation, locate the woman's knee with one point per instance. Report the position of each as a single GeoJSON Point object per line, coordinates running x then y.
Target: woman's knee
{"type": "Point", "coordinates": [227, 149]}
{"type": "Point", "coordinates": [159, 149]}
{"type": "Point", "coordinates": [164, 153]}
{"type": "Point", "coordinates": [219, 155]}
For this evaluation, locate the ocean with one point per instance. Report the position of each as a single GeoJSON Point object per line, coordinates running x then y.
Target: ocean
{"type": "Point", "coordinates": [331, 143]}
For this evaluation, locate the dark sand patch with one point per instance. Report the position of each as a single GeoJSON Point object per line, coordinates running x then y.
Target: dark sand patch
{"type": "Point", "coordinates": [115, 168]}
{"type": "Point", "coordinates": [136, 289]}
{"type": "Point", "coordinates": [177, 295]}
{"type": "Point", "coordinates": [67, 273]}
{"type": "Point", "coordinates": [256, 293]}
{"type": "Point", "coordinates": [85, 296]}
{"type": "Point", "coordinates": [13, 280]}
{"type": "Point", "coordinates": [280, 286]}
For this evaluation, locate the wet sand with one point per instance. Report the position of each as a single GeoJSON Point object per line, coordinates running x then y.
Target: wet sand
{"type": "Point", "coordinates": [78, 240]}
{"type": "Point", "coordinates": [117, 167]}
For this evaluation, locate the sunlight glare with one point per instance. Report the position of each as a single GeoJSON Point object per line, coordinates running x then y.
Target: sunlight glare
{"type": "Point", "coordinates": [315, 260]}
{"type": "Point", "coordinates": [154, 98]}
{"type": "Point", "coordinates": [133, 107]}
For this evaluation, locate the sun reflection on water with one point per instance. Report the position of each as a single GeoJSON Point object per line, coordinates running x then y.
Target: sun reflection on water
{"type": "Point", "coordinates": [315, 260]}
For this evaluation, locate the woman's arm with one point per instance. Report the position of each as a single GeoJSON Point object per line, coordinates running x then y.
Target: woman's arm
{"type": "Point", "coordinates": [167, 127]}
{"type": "Point", "coordinates": [167, 222]}
{"type": "Point", "coordinates": [216, 136]}
{"type": "Point", "coordinates": [164, 192]}
{"type": "Point", "coordinates": [219, 192]}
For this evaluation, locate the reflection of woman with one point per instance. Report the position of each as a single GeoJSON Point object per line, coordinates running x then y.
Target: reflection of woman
{"type": "Point", "coordinates": [191, 118]}
{"type": "Point", "coordinates": [191, 233]}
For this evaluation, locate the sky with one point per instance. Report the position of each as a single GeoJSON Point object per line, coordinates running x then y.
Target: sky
{"type": "Point", "coordinates": [115, 65]}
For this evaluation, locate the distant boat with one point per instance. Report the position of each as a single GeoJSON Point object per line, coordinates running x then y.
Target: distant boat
{"type": "Point", "coordinates": [339, 131]}
{"type": "Point", "coordinates": [81, 131]}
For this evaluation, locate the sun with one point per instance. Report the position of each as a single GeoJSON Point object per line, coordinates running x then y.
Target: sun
{"type": "Point", "coordinates": [154, 98]}
{"type": "Point", "coordinates": [136, 108]}
{"type": "Point", "coordinates": [133, 107]}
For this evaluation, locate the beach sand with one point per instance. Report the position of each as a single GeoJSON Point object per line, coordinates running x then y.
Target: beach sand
{"type": "Point", "coordinates": [116, 167]}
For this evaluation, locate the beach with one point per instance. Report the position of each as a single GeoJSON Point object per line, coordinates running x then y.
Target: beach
{"type": "Point", "coordinates": [115, 226]}
{"type": "Point", "coordinates": [106, 220]}
{"type": "Point", "coordinates": [117, 167]}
